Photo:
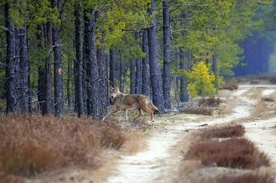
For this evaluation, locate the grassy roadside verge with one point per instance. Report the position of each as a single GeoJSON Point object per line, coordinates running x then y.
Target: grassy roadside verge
{"type": "Point", "coordinates": [32, 145]}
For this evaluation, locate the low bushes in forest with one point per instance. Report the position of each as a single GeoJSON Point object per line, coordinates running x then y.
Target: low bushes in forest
{"type": "Point", "coordinates": [268, 99]}
{"type": "Point", "coordinates": [223, 132]}
{"type": "Point", "coordinates": [29, 145]}
{"type": "Point", "coordinates": [249, 177]}
{"type": "Point", "coordinates": [198, 110]}
{"type": "Point", "coordinates": [233, 153]}
{"type": "Point", "coordinates": [230, 86]}
{"type": "Point", "coordinates": [273, 79]}
{"type": "Point", "coordinates": [204, 106]}
{"type": "Point", "coordinates": [209, 101]}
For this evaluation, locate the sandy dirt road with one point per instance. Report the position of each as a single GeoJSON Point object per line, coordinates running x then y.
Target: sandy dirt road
{"type": "Point", "coordinates": [159, 162]}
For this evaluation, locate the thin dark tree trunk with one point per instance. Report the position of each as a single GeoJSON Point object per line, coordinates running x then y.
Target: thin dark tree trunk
{"type": "Point", "coordinates": [78, 65]}
{"type": "Point", "coordinates": [156, 79]}
{"type": "Point", "coordinates": [45, 92]}
{"type": "Point", "coordinates": [41, 89]}
{"type": "Point", "coordinates": [24, 71]}
{"type": "Point", "coordinates": [68, 84]}
{"type": "Point", "coordinates": [48, 71]}
{"type": "Point", "coordinates": [120, 72]}
{"type": "Point", "coordinates": [215, 70]}
{"type": "Point", "coordinates": [58, 81]}
{"type": "Point", "coordinates": [138, 84]}
{"type": "Point", "coordinates": [111, 68]}
{"type": "Point", "coordinates": [11, 65]}
{"type": "Point", "coordinates": [138, 73]}
{"type": "Point", "coordinates": [92, 68]}
{"type": "Point", "coordinates": [132, 76]}
{"type": "Point", "coordinates": [102, 92]}
{"type": "Point", "coordinates": [145, 67]}
{"type": "Point", "coordinates": [166, 52]}
{"type": "Point", "coordinates": [184, 96]}
{"type": "Point", "coordinates": [167, 59]}
{"type": "Point", "coordinates": [85, 64]}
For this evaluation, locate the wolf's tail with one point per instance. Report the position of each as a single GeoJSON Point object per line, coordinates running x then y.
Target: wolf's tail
{"type": "Point", "coordinates": [153, 107]}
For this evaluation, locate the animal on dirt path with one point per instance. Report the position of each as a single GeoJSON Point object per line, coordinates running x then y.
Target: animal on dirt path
{"type": "Point", "coordinates": [125, 102]}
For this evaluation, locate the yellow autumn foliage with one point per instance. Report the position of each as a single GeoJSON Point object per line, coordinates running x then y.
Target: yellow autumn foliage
{"type": "Point", "coordinates": [201, 80]}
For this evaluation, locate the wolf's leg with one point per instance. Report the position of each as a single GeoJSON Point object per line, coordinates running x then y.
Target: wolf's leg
{"type": "Point", "coordinates": [140, 113]}
{"type": "Point", "coordinates": [149, 111]}
{"type": "Point", "coordinates": [111, 112]}
{"type": "Point", "coordinates": [151, 114]}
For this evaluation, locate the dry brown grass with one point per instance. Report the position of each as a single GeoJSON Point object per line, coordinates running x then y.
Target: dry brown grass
{"type": "Point", "coordinates": [198, 110]}
{"type": "Point", "coordinates": [264, 78]}
{"type": "Point", "coordinates": [30, 145]}
{"type": "Point", "coordinates": [209, 102]}
{"type": "Point", "coordinates": [233, 153]}
{"type": "Point", "coordinates": [223, 132]}
{"type": "Point", "coordinates": [7, 178]}
{"type": "Point", "coordinates": [250, 177]}
{"type": "Point", "coordinates": [268, 99]}
{"type": "Point", "coordinates": [230, 86]}
{"type": "Point", "coordinates": [272, 79]}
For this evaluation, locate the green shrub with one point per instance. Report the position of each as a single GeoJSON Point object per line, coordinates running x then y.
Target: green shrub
{"type": "Point", "coordinates": [201, 80]}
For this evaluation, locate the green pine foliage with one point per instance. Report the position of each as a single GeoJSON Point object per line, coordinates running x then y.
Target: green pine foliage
{"type": "Point", "coordinates": [199, 28]}
{"type": "Point", "coordinates": [201, 80]}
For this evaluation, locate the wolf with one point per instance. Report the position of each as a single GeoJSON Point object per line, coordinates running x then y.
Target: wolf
{"type": "Point", "coordinates": [125, 102]}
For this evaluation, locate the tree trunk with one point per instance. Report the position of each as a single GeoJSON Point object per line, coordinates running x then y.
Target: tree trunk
{"type": "Point", "coordinates": [184, 96]}
{"type": "Point", "coordinates": [102, 92]}
{"type": "Point", "coordinates": [215, 69]}
{"type": "Point", "coordinates": [58, 82]}
{"type": "Point", "coordinates": [111, 68]}
{"type": "Point", "coordinates": [138, 73]}
{"type": "Point", "coordinates": [167, 59]}
{"type": "Point", "coordinates": [78, 65]}
{"type": "Point", "coordinates": [48, 71]}
{"type": "Point", "coordinates": [24, 71]}
{"type": "Point", "coordinates": [68, 84]}
{"type": "Point", "coordinates": [11, 65]}
{"type": "Point", "coordinates": [156, 79]}
{"type": "Point", "coordinates": [85, 64]}
{"type": "Point", "coordinates": [121, 72]}
{"type": "Point", "coordinates": [92, 68]}
{"type": "Point", "coordinates": [138, 83]}
{"type": "Point", "coordinates": [145, 67]}
{"type": "Point", "coordinates": [41, 75]}
{"type": "Point", "coordinates": [132, 76]}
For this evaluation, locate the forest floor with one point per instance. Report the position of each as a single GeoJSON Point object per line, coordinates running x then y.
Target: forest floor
{"type": "Point", "coordinates": [160, 151]}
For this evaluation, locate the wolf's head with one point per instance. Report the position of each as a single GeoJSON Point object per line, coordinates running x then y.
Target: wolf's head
{"type": "Point", "coordinates": [113, 92]}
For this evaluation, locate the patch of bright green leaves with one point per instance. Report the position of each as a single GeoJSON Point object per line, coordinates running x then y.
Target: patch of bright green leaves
{"type": "Point", "coordinates": [201, 80]}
